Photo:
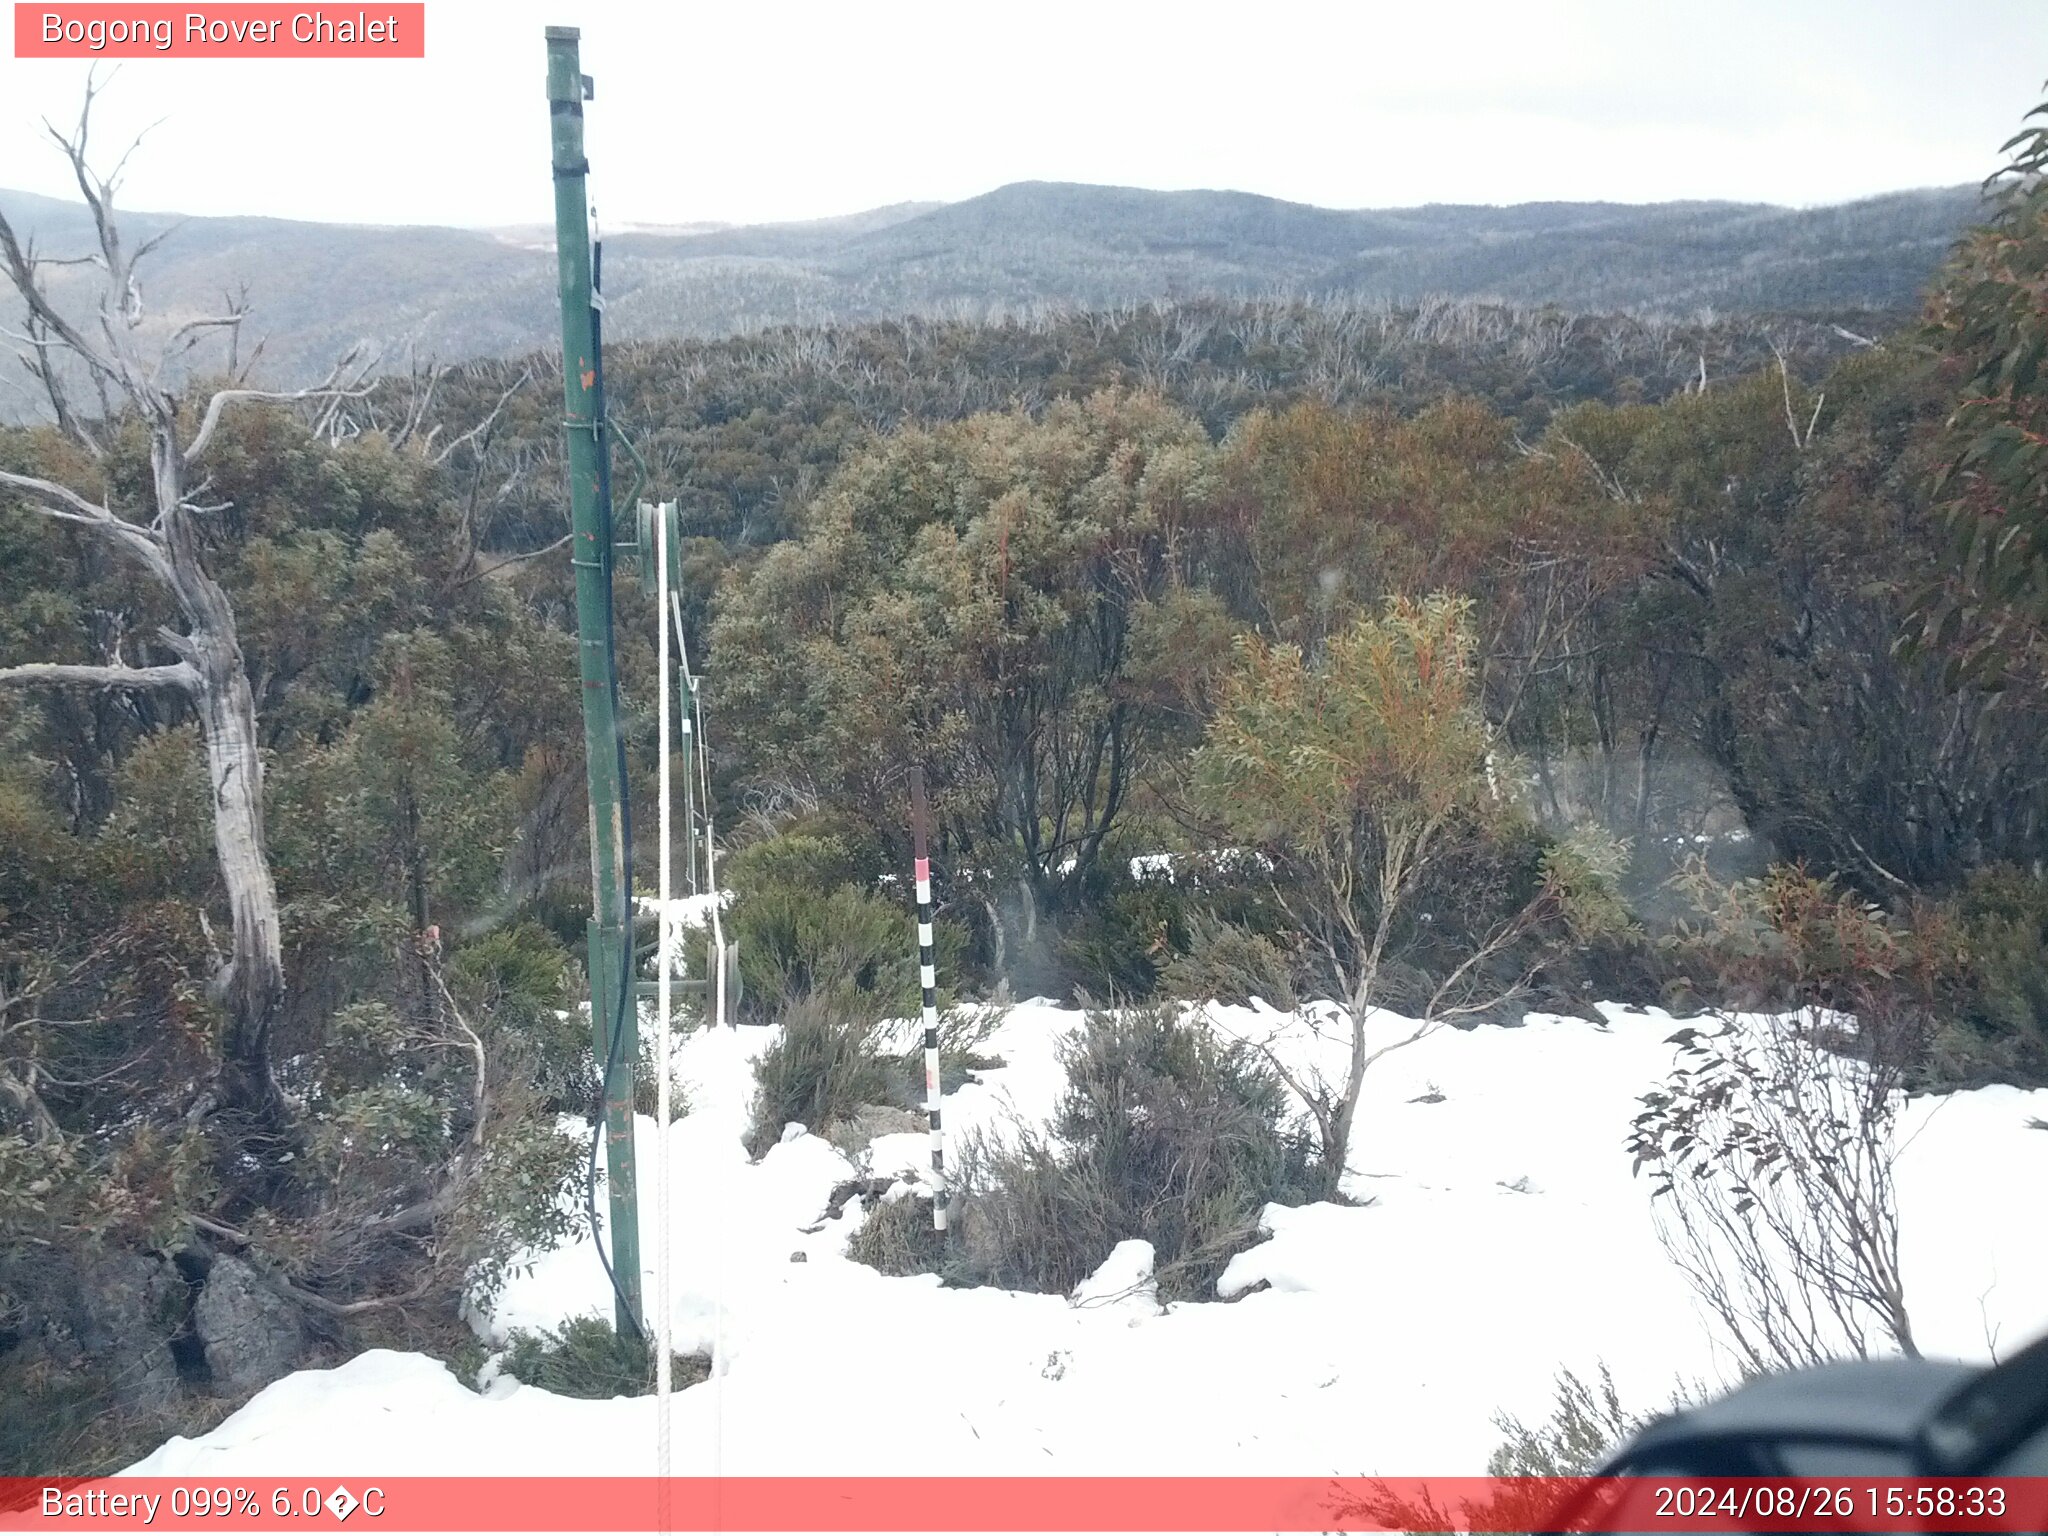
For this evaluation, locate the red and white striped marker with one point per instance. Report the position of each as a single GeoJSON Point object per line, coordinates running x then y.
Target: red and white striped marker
{"type": "Point", "coordinates": [928, 979]}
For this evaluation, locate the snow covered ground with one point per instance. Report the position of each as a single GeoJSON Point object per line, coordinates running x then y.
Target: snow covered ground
{"type": "Point", "coordinates": [1505, 1237]}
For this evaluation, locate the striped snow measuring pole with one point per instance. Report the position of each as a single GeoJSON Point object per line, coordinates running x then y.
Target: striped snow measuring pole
{"type": "Point", "coordinates": [928, 978]}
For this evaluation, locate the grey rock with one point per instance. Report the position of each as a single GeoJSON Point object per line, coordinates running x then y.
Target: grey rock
{"type": "Point", "coordinates": [252, 1335]}
{"type": "Point", "coordinates": [110, 1314]}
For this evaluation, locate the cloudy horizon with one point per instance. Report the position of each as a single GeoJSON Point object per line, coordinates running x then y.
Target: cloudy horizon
{"type": "Point", "coordinates": [808, 111]}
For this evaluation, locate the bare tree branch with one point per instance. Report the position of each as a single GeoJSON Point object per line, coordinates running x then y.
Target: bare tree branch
{"type": "Point", "coordinates": [483, 429]}
{"type": "Point", "coordinates": [330, 388]}
{"type": "Point", "coordinates": [496, 566]}
{"type": "Point", "coordinates": [298, 1293]}
{"type": "Point", "coordinates": [177, 674]}
{"type": "Point", "coordinates": [91, 514]}
{"type": "Point", "coordinates": [1800, 440]}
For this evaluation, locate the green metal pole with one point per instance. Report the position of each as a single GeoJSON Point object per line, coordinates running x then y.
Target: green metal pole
{"type": "Point", "coordinates": [590, 523]}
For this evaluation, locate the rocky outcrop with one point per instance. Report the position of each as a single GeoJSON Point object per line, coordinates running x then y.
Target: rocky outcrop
{"type": "Point", "coordinates": [112, 1316]}
{"type": "Point", "coordinates": [251, 1335]}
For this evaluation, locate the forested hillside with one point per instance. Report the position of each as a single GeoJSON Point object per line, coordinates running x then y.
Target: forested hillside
{"type": "Point", "coordinates": [1626, 656]}
{"type": "Point", "coordinates": [1020, 250]}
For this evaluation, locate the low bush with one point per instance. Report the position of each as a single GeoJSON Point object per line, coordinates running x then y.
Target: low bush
{"type": "Point", "coordinates": [1586, 1423]}
{"type": "Point", "coordinates": [831, 1058]}
{"type": "Point", "coordinates": [1771, 1162]}
{"type": "Point", "coordinates": [803, 857]}
{"type": "Point", "coordinates": [963, 1037]}
{"type": "Point", "coordinates": [1165, 1133]}
{"type": "Point", "coordinates": [647, 1081]}
{"type": "Point", "coordinates": [55, 1420]}
{"type": "Point", "coordinates": [1114, 943]}
{"type": "Point", "coordinates": [897, 1238]}
{"type": "Point", "coordinates": [797, 942]}
{"type": "Point", "coordinates": [64, 1420]}
{"type": "Point", "coordinates": [587, 1357]}
{"type": "Point", "coordinates": [2002, 920]}
{"type": "Point", "coordinates": [1229, 965]}
{"type": "Point", "coordinates": [808, 918]}
{"type": "Point", "coordinates": [523, 979]}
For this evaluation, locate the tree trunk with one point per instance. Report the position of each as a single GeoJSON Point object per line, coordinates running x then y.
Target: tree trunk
{"type": "Point", "coordinates": [999, 962]}
{"type": "Point", "coordinates": [253, 989]}
{"type": "Point", "coordinates": [1337, 1145]}
{"type": "Point", "coordinates": [1603, 720]}
{"type": "Point", "coordinates": [1028, 905]}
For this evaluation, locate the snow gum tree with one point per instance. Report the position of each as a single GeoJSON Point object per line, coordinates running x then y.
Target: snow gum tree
{"type": "Point", "coordinates": [157, 522]}
{"type": "Point", "coordinates": [1009, 600]}
{"type": "Point", "coordinates": [1359, 773]}
{"type": "Point", "coordinates": [1988, 323]}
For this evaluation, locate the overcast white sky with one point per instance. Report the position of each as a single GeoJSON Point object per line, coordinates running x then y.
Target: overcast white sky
{"type": "Point", "coordinates": [782, 109]}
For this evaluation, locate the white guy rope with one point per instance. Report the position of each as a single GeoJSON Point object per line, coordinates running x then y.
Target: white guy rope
{"type": "Point", "coordinates": [664, 966]}
{"type": "Point", "coordinates": [694, 727]}
{"type": "Point", "coordinates": [702, 759]}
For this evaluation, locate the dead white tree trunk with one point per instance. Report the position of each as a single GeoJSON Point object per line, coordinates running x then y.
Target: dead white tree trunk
{"type": "Point", "coordinates": [163, 536]}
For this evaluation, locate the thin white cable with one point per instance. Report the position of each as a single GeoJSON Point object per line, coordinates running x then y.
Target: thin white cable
{"type": "Point", "coordinates": [718, 970]}
{"type": "Point", "coordinates": [688, 712]}
{"type": "Point", "coordinates": [664, 1326]}
{"type": "Point", "coordinates": [719, 958]}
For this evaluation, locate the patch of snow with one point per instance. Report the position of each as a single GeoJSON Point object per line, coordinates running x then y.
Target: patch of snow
{"type": "Point", "coordinates": [1122, 1279]}
{"type": "Point", "coordinates": [1498, 1235]}
{"type": "Point", "coordinates": [688, 911]}
{"type": "Point", "coordinates": [1170, 866]}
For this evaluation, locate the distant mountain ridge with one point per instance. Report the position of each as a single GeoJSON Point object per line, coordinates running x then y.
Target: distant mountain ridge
{"type": "Point", "coordinates": [454, 293]}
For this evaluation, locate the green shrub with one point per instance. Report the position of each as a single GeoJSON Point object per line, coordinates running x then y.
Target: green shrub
{"type": "Point", "coordinates": [647, 1080]}
{"type": "Point", "coordinates": [588, 1358]}
{"type": "Point", "coordinates": [530, 1166]}
{"type": "Point", "coordinates": [522, 962]}
{"type": "Point", "coordinates": [1230, 965]}
{"type": "Point", "coordinates": [2003, 917]}
{"type": "Point", "coordinates": [1968, 1052]}
{"type": "Point", "coordinates": [830, 1059]}
{"type": "Point", "coordinates": [1187, 1135]}
{"type": "Point", "coordinates": [1586, 1423]}
{"type": "Point", "coordinates": [799, 860]}
{"type": "Point", "coordinates": [522, 981]}
{"type": "Point", "coordinates": [1165, 1133]}
{"type": "Point", "coordinates": [795, 942]}
{"type": "Point", "coordinates": [963, 1032]}
{"type": "Point", "coordinates": [896, 1237]}
{"type": "Point", "coordinates": [808, 916]}
{"type": "Point", "coordinates": [1114, 943]}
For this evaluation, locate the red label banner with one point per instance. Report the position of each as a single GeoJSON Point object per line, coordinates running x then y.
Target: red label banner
{"type": "Point", "coordinates": [230, 31]}
{"type": "Point", "coordinates": [1052, 1504]}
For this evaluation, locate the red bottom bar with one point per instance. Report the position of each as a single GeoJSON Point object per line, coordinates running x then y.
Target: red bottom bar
{"type": "Point", "coordinates": [927, 1504]}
